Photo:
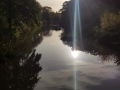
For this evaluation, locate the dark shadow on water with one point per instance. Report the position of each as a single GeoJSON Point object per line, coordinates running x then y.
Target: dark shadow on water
{"type": "Point", "coordinates": [19, 70]}
{"type": "Point", "coordinates": [46, 31]}
{"type": "Point", "coordinates": [25, 45]}
{"type": "Point", "coordinates": [93, 47]}
{"type": "Point", "coordinates": [20, 74]}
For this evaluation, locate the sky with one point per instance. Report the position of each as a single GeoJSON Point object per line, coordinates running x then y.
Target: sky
{"type": "Point", "coordinates": [56, 5]}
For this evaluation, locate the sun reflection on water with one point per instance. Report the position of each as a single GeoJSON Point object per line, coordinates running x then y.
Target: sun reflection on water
{"type": "Point", "coordinates": [75, 53]}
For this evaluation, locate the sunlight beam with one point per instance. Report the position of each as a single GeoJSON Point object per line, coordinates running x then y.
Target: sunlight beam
{"type": "Point", "coordinates": [76, 27]}
{"type": "Point", "coordinates": [79, 23]}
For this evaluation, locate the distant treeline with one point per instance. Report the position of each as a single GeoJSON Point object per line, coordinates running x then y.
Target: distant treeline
{"type": "Point", "coordinates": [100, 19]}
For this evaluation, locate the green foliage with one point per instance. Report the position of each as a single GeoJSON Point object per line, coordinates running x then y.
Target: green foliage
{"type": "Point", "coordinates": [17, 33]}
{"type": "Point", "coordinates": [18, 14]}
{"type": "Point", "coordinates": [17, 17]}
{"type": "Point", "coordinates": [109, 27]}
{"type": "Point", "coordinates": [110, 21]}
{"type": "Point", "coordinates": [99, 18]}
{"type": "Point", "coordinates": [3, 16]}
{"type": "Point", "coordinates": [50, 17]}
{"type": "Point", "coordinates": [55, 18]}
{"type": "Point", "coordinates": [46, 14]}
{"type": "Point", "coordinates": [90, 11]}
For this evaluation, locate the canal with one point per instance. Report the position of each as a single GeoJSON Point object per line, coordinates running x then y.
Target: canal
{"type": "Point", "coordinates": [45, 62]}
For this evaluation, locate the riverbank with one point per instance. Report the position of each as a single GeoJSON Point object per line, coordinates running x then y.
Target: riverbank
{"type": "Point", "coordinates": [11, 48]}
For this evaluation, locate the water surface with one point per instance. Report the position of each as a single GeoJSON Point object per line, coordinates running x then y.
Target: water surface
{"type": "Point", "coordinates": [53, 66]}
{"type": "Point", "coordinates": [58, 68]}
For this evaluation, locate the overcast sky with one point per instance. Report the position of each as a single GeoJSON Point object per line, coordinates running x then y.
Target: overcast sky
{"type": "Point", "coordinates": [55, 4]}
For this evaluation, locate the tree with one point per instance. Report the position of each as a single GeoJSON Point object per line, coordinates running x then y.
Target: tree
{"type": "Point", "coordinates": [90, 14]}
{"type": "Point", "coordinates": [46, 14]}
{"type": "Point", "coordinates": [16, 18]}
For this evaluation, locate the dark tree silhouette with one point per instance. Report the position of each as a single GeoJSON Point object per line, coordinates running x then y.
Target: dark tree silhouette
{"type": "Point", "coordinates": [21, 75]}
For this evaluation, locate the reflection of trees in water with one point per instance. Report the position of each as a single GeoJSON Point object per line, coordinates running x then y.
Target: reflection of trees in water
{"type": "Point", "coordinates": [31, 42]}
{"type": "Point", "coordinates": [21, 75]}
{"type": "Point", "coordinates": [37, 39]}
{"type": "Point", "coordinates": [111, 57]}
{"type": "Point", "coordinates": [26, 45]}
{"type": "Point", "coordinates": [46, 31]}
{"type": "Point", "coordinates": [94, 48]}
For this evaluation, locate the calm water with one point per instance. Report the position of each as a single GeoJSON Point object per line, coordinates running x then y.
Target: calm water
{"type": "Point", "coordinates": [58, 69]}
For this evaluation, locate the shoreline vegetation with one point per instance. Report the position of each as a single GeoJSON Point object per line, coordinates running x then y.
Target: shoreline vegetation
{"type": "Point", "coordinates": [100, 22]}
{"type": "Point", "coordinates": [18, 18]}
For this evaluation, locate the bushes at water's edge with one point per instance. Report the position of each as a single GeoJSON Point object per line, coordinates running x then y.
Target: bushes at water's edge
{"type": "Point", "coordinates": [17, 17]}
{"type": "Point", "coordinates": [20, 16]}
{"type": "Point", "coordinates": [109, 29]}
{"type": "Point", "coordinates": [89, 10]}
{"type": "Point", "coordinates": [100, 19]}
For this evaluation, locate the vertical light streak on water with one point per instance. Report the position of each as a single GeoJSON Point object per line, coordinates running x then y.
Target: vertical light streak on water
{"type": "Point", "coordinates": [75, 77]}
{"type": "Point", "coordinates": [74, 41]}
{"type": "Point", "coordinates": [76, 28]}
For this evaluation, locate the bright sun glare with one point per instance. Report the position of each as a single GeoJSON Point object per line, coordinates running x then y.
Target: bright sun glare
{"type": "Point", "coordinates": [75, 54]}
